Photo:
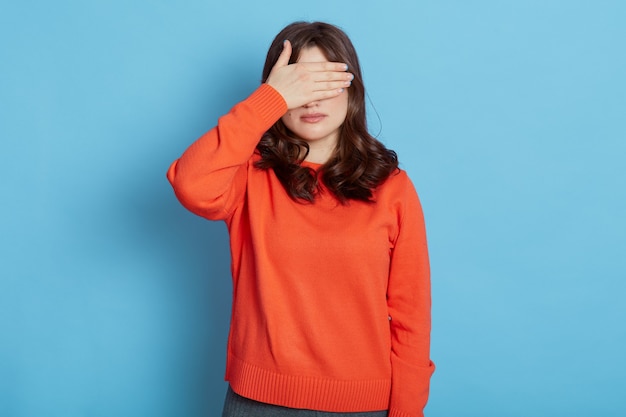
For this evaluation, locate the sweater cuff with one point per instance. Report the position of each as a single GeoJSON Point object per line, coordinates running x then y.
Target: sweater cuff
{"type": "Point", "coordinates": [409, 388]}
{"type": "Point", "coordinates": [269, 104]}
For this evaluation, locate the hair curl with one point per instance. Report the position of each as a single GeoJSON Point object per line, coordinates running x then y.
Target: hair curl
{"type": "Point", "coordinates": [360, 162]}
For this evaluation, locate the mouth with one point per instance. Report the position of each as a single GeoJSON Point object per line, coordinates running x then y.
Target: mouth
{"type": "Point", "coordinates": [312, 117]}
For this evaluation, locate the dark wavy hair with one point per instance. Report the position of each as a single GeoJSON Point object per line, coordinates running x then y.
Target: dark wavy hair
{"type": "Point", "coordinates": [360, 162]}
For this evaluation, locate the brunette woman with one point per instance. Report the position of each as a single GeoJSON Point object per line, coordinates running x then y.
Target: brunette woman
{"type": "Point", "coordinates": [331, 287]}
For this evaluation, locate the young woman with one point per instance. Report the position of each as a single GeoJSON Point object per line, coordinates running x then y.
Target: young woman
{"type": "Point", "coordinates": [331, 290]}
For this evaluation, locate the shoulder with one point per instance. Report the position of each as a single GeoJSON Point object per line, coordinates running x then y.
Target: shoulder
{"type": "Point", "coordinates": [398, 193]}
{"type": "Point", "coordinates": [397, 182]}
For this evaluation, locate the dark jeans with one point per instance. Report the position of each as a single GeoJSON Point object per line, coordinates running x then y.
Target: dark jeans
{"type": "Point", "coordinates": [237, 406]}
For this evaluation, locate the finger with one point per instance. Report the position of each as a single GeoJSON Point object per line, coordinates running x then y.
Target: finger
{"type": "Point", "coordinates": [325, 66]}
{"type": "Point", "coordinates": [326, 94]}
{"type": "Point", "coordinates": [332, 76]}
{"type": "Point", "coordinates": [283, 58]}
{"type": "Point", "coordinates": [332, 85]}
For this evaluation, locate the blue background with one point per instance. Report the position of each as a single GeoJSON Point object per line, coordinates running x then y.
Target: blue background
{"type": "Point", "coordinates": [508, 115]}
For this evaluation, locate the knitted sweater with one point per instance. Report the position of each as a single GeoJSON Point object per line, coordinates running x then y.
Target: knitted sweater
{"type": "Point", "coordinates": [331, 302]}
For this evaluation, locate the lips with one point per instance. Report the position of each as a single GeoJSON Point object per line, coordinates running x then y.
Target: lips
{"type": "Point", "coordinates": [312, 117]}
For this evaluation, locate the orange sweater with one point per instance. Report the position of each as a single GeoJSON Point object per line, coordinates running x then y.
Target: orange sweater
{"type": "Point", "coordinates": [331, 303]}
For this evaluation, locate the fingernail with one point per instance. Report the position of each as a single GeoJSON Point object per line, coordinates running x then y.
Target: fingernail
{"type": "Point", "coordinates": [346, 67]}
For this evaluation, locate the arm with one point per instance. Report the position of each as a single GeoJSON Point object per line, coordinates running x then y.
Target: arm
{"type": "Point", "coordinates": [209, 179]}
{"type": "Point", "coordinates": [408, 298]}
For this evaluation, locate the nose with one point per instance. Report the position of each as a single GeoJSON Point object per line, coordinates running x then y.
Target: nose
{"type": "Point", "coordinates": [311, 104]}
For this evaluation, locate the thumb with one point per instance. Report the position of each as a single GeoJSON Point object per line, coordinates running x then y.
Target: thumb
{"type": "Point", "coordinates": [283, 58]}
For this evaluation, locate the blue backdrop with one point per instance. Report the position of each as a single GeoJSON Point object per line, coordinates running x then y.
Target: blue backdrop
{"type": "Point", "coordinates": [508, 115]}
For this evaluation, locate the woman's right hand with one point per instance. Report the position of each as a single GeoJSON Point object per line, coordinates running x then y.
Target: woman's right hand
{"type": "Point", "coordinates": [305, 82]}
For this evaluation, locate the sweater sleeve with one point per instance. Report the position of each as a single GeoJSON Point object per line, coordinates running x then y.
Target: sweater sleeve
{"type": "Point", "coordinates": [409, 303]}
{"type": "Point", "coordinates": [210, 178]}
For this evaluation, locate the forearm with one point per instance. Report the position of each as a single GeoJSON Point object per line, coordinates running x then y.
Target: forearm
{"type": "Point", "coordinates": [209, 178]}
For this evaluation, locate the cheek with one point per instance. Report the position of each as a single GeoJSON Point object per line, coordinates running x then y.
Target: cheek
{"type": "Point", "coordinates": [287, 119]}
{"type": "Point", "coordinates": [341, 107]}
{"type": "Point", "coordinates": [341, 103]}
